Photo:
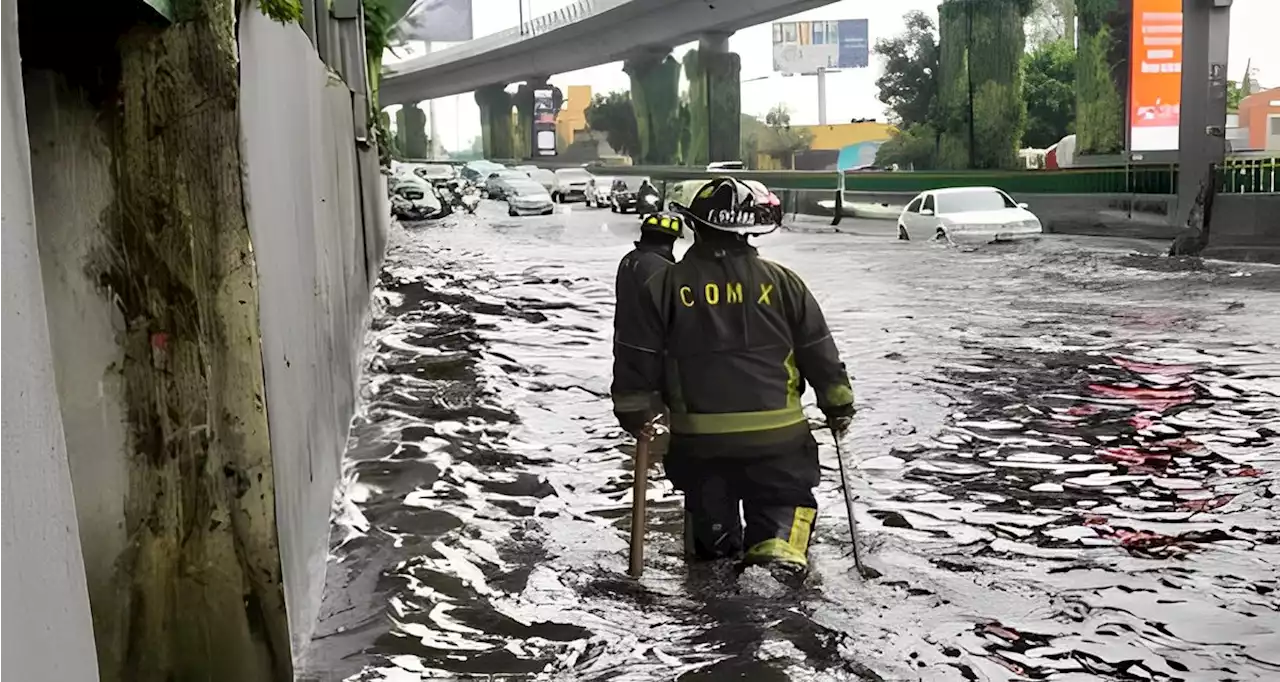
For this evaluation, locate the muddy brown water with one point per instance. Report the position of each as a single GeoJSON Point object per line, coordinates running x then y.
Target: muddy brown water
{"type": "Point", "coordinates": [1069, 450]}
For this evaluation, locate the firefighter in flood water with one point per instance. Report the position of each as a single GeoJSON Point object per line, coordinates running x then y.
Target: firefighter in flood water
{"type": "Point", "coordinates": [730, 340]}
{"type": "Point", "coordinates": [653, 253]}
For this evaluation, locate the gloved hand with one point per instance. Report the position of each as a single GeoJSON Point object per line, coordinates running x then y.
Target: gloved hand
{"type": "Point", "coordinates": [840, 417]}
{"type": "Point", "coordinates": [635, 423]}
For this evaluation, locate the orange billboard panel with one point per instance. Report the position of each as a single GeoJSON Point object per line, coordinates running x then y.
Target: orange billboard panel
{"type": "Point", "coordinates": [1155, 76]}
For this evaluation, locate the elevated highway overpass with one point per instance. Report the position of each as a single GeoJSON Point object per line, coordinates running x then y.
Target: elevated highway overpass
{"type": "Point", "coordinates": [585, 34]}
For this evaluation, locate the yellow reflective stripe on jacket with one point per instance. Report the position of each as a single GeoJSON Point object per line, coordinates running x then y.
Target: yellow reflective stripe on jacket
{"type": "Point", "coordinates": [737, 422]}
{"type": "Point", "coordinates": [746, 422]}
{"type": "Point", "coordinates": [632, 402]}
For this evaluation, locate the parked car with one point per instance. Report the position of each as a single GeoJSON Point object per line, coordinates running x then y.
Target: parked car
{"type": "Point", "coordinates": [599, 189]}
{"type": "Point", "coordinates": [969, 214]}
{"type": "Point", "coordinates": [634, 193]}
{"type": "Point", "coordinates": [414, 199]}
{"type": "Point", "coordinates": [543, 177]}
{"type": "Point", "coordinates": [479, 171]}
{"type": "Point", "coordinates": [526, 197]}
{"type": "Point", "coordinates": [435, 173]}
{"type": "Point", "coordinates": [496, 184]}
{"type": "Point", "coordinates": [768, 205]}
{"type": "Point", "coordinates": [570, 184]}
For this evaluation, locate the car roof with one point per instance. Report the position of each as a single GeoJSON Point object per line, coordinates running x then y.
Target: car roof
{"type": "Point", "coordinates": [526, 182]}
{"type": "Point", "coordinates": [576, 171]}
{"type": "Point", "coordinates": [962, 190]}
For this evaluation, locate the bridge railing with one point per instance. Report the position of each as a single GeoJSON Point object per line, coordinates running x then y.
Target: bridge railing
{"type": "Point", "coordinates": [534, 27]}
{"type": "Point", "coordinates": [1250, 176]}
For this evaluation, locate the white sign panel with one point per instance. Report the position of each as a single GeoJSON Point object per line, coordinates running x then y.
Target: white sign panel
{"type": "Point", "coordinates": [437, 21]}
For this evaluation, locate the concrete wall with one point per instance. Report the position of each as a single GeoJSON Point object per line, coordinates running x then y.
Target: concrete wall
{"type": "Point", "coordinates": [318, 244]}
{"type": "Point", "coordinates": [71, 166]}
{"type": "Point", "coordinates": [47, 629]}
{"type": "Point", "coordinates": [1245, 227]}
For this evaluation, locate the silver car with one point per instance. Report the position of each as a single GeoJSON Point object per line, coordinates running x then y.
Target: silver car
{"type": "Point", "coordinates": [526, 197]}
{"type": "Point", "coordinates": [571, 184]}
{"type": "Point", "coordinates": [973, 214]}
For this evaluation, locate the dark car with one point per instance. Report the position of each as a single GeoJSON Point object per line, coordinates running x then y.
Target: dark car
{"type": "Point", "coordinates": [497, 185]}
{"type": "Point", "coordinates": [634, 194]}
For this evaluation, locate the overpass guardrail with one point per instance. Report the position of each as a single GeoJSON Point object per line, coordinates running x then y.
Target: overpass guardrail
{"type": "Point", "coordinates": [1236, 176]}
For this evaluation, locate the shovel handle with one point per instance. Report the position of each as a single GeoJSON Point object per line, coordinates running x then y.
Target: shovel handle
{"type": "Point", "coordinates": [639, 493]}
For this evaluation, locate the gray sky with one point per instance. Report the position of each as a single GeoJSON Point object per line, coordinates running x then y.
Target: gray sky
{"type": "Point", "coordinates": [850, 93]}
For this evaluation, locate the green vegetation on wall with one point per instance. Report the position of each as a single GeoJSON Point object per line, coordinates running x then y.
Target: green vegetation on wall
{"type": "Point", "coordinates": [655, 96]}
{"type": "Point", "coordinates": [1099, 102]}
{"type": "Point", "coordinates": [714, 95]}
{"type": "Point", "coordinates": [496, 122]}
{"type": "Point", "coordinates": [983, 112]}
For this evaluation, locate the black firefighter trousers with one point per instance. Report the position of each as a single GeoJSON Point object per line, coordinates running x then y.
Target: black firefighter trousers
{"type": "Point", "coordinates": [772, 492]}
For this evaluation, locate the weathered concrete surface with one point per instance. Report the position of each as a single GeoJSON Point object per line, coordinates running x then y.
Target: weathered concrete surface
{"type": "Point", "coordinates": [1245, 227]}
{"type": "Point", "coordinates": [71, 167]}
{"type": "Point", "coordinates": [312, 235]}
{"type": "Point", "coordinates": [48, 634]}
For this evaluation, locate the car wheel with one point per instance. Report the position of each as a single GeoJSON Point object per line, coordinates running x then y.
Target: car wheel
{"type": "Point", "coordinates": [902, 233]}
{"type": "Point", "coordinates": [511, 212]}
{"type": "Point", "coordinates": [613, 207]}
{"type": "Point", "coordinates": [549, 211]}
{"type": "Point", "coordinates": [940, 234]}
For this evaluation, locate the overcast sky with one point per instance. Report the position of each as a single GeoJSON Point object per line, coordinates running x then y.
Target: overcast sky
{"type": "Point", "coordinates": [850, 93]}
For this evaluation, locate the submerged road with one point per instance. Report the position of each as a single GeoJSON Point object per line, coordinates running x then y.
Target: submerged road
{"type": "Point", "coordinates": [1070, 456]}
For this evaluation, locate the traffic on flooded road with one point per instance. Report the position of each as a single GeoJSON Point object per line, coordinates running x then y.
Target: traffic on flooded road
{"type": "Point", "coordinates": [1068, 458]}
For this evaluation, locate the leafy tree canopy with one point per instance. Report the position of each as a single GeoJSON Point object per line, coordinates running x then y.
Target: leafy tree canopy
{"type": "Point", "coordinates": [908, 86]}
{"type": "Point", "coordinates": [913, 148]}
{"type": "Point", "coordinates": [779, 139]}
{"type": "Point", "coordinates": [1049, 76]}
{"type": "Point", "coordinates": [613, 115]}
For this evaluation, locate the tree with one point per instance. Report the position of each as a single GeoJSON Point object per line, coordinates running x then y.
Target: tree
{"type": "Point", "coordinates": [752, 132]}
{"type": "Point", "coordinates": [915, 148]}
{"type": "Point", "coordinates": [1235, 93]}
{"type": "Point", "coordinates": [908, 86]}
{"type": "Point", "coordinates": [780, 140]}
{"type": "Point", "coordinates": [613, 115]}
{"type": "Point", "coordinates": [1051, 21]}
{"type": "Point", "coordinates": [1049, 76]}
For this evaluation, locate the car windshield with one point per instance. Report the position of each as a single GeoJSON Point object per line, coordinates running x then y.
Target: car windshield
{"type": "Point", "coordinates": [971, 200]}
{"type": "Point", "coordinates": [573, 175]}
{"type": "Point", "coordinates": [486, 167]}
{"type": "Point", "coordinates": [526, 188]}
{"type": "Point", "coordinates": [435, 171]}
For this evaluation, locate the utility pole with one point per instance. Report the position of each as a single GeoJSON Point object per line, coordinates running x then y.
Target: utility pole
{"type": "Point", "coordinates": [1203, 117]}
{"type": "Point", "coordinates": [822, 96]}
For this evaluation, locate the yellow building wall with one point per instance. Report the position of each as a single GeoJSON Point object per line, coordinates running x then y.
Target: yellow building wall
{"type": "Point", "coordinates": [573, 115]}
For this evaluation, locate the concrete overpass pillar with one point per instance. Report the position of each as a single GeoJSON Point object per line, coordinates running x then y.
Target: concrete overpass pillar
{"type": "Point", "coordinates": [495, 121]}
{"type": "Point", "coordinates": [655, 95]}
{"type": "Point", "coordinates": [1203, 119]}
{"type": "Point", "coordinates": [415, 134]}
{"type": "Point", "coordinates": [401, 128]}
{"type": "Point", "coordinates": [715, 100]}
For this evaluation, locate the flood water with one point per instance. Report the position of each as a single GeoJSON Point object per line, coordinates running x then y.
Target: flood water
{"type": "Point", "coordinates": [1069, 470]}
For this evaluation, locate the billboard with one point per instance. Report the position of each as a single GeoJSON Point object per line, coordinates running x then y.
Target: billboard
{"type": "Point", "coordinates": [544, 122]}
{"type": "Point", "coordinates": [806, 46]}
{"type": "Point", "coordinates": [437, 21]}
{"type": "Point", "coordinates": [1155, 75]}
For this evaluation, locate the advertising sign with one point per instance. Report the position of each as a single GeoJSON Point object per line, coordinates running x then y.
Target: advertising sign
{"type": "Point", "coordinates": [437, 21]}
{"type": "Point", "coordinates": [1155, 76]}
{"type": "Point", "coordinates": [544, 122]}
{"type": "Point", "coordinates": [803, 47]}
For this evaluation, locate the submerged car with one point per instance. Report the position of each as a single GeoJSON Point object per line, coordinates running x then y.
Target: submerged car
{"type": "Point", "coordinates": [413, 199]}
{"type": "Point", "coordinates": [599, 189]}
{"type": "Point", "coordinates": [570, 184]}
{"type": "Point", "coordinates": [478, 171]}
{"type": "Point", "coordinates": [542, 176]}
{"type": "Point", "coordinates": [982, 214]}
{"type": "Point", "coordinates": [435, 173]}
{"type": "Point", "coordinates": [526, 197]}
{"type": "Point", "coordinates": [498, 182]}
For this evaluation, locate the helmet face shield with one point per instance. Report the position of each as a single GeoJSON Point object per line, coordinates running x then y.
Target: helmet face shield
{"type": "Point", "coordinates": [724, 204]}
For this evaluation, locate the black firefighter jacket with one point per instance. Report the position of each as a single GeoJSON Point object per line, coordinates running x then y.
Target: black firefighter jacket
{"type": "Point", "coordinates": [730, 340]}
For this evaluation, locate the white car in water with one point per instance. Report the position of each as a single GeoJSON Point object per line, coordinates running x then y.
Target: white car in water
{"type": "Point", "coordinates": [982, 214]}
{"type": "Point", "coordinates": [527, 197]}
